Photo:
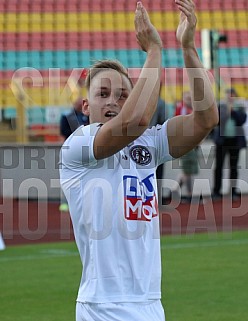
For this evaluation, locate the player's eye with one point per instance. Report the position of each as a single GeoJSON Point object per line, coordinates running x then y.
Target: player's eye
{"type": "Point", "coordinates": [102, 94]}
{"type": "Point", "coordinates": [121, 95]}
{"type": "Point", "coordinates": [124, 95]}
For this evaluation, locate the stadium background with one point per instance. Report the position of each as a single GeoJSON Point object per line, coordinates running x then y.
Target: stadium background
{"type": "Point", "coordinates": [46, 39]}
{"type": "Point", "coordinates": [47, 44]}
{"type": "Point", "coordinates": [204, 274]}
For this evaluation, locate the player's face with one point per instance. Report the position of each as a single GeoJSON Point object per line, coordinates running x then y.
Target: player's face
{"type": "Point", "coordinates": [108, 92]}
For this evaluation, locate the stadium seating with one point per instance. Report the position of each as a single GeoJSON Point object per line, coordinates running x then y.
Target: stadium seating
{"type": "Point", "coordinates": [44, 34]}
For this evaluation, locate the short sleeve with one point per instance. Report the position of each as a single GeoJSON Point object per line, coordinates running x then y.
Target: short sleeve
{"type": "Point", "coordinates": [77, 150]}
{"type": "Point", "coordinates": [162, 144]}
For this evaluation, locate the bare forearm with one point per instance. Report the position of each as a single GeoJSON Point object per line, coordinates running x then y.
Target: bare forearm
{"type": "Point", "coordinates": [185, 132]}
{"type": "Point", "coordinates": [141, 104]}
{"type": "Point", "coordinates": [204, 103]}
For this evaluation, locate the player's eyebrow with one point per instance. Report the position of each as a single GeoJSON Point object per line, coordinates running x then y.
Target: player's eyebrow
{"type": "Point", "coordinates": [107, 88]}
{"type": "Point", "coordinates": [102, 87]}
{"type": "Point", "coordinates": [122, 89]}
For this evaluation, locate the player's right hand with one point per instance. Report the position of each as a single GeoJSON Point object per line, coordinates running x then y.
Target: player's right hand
{"type": "Point", "coordinates": [146, 34]}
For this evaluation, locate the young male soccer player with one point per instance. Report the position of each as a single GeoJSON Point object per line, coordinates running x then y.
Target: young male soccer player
{"type": "Point", "coordinates": [108, 175]}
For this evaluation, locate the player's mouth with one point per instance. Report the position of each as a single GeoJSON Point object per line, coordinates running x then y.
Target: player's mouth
{"type": "Point", "coordinates": [111, 114]}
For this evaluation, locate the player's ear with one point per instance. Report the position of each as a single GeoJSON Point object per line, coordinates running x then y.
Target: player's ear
{"type": "Point", "coordinates": [85, 107]}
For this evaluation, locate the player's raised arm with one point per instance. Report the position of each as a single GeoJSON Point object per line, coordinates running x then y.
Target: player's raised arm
{"type": "Point", "coordinates": [129, 110]}
{"type": "Point", "coordinates": [185, 132]}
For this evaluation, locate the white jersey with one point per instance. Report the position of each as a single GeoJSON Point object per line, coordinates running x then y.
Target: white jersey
{"type": "Point", "coordinates": [114, 211]}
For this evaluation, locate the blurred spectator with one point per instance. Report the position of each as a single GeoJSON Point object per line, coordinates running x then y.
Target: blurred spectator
{"type": "Point", "coordinates": [189, 161]}
{"type": "Point", "coordinates": [70, 122]}
{"type": "Point", "coordinates": [229, 138]}
{"type": "Point", "coordinates": [161, 113]}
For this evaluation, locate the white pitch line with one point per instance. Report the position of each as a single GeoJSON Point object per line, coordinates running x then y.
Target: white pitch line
{"type": "Point", "coordinates": [55, 253]}
{"type": "Point", "coordinates": [39, 256]}
{"type": "Point", "coordinates": [204, 244]}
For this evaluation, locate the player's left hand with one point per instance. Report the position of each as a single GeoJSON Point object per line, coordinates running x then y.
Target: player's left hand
{"type": "Point", "coordinates": [187, 24]}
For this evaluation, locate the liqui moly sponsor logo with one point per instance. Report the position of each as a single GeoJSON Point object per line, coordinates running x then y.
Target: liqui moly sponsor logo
{"type": "Point", "coordinates": [140, 202]}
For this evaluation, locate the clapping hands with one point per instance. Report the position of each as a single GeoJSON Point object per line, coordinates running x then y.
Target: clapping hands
{"type": "Point", "coordinates": [187, 24]}
{"type": "Point", "coordinates": [146, 34]}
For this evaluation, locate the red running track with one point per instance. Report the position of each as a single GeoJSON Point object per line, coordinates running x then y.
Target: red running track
{"type": "Point", "coordinates": [23, 222]}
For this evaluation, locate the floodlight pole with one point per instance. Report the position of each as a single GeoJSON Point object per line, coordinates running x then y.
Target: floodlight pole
{"type": "Point", "coordinates": [215, 53]}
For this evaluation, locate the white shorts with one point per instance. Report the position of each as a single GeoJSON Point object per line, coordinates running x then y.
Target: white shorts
{"type": "Point", "coordinates": [139, 311]}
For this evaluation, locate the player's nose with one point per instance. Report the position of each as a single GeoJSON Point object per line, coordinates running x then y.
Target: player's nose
{"type": "Point", "coordinates": [112, 101]}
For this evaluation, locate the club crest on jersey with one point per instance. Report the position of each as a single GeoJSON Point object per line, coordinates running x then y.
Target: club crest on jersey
{"type": "Point", "coordinates": [140, 155]}
{"type": "Point", "coordinates": [140, 202]}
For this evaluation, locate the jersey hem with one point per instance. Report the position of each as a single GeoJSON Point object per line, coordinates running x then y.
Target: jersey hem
{"type": "Point", "coordinates": [119, 299]}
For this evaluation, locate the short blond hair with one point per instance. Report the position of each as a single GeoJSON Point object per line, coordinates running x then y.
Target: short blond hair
{"type": "Point", "coordinates": [105, 64]}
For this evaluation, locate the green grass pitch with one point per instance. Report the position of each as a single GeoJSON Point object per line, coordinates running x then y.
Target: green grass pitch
{"type": "Point", "coordinates": [205, 278]}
